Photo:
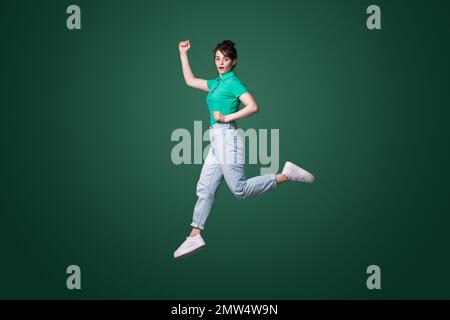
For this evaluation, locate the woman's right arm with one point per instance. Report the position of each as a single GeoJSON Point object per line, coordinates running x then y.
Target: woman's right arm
{"type": "Point", "coordinates": [191, 81]}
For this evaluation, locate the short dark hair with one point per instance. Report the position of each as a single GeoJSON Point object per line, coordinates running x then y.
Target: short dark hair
{"type": "Point", "coordinates": [228, 50]}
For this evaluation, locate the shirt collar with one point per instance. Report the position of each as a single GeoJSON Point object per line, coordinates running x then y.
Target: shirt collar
{"type": "Point", "coordinates": [227, 75]}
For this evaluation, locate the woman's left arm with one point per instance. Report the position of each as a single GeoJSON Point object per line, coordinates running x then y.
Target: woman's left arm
{"type": "Point", "coordinates": [250, 107]}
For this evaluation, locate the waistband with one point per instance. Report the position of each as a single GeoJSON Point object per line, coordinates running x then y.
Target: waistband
{"type": "Point", "coordinates": [228, 125]}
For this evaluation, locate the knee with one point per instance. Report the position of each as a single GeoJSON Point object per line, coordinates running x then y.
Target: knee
{"type": "Point", "coordinates": [239, 192]}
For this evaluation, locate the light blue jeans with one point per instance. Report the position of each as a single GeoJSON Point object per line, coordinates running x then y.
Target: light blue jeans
{"type": "Point", "coordinates": [226, 159]}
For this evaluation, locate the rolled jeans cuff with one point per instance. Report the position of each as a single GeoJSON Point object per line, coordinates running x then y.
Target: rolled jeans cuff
{"type": "Point", "coordinates": [275, 183]}
{"type": "Point", "coordinates": [194, 225]}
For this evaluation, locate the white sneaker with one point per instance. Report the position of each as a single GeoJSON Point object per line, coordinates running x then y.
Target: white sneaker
{"type": "Point", "coordinates": [295, 173]}
{"type": "Point", "coordinates": [189, 246]}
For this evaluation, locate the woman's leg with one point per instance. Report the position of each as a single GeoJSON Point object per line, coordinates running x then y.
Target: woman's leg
{"type": "Point", "coordinates": [230, 154]}
{"type": "Point", "coordinates": [210, 179]}
{"type": "Point", "coordinates": [243, 188]}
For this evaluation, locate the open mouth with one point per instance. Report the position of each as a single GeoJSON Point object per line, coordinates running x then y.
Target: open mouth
{"type": "Point", "coordinates": [221, 68]}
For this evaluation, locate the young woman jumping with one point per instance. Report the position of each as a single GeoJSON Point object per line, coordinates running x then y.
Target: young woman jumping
{"type": "Point", "coordinates": [226, 154]}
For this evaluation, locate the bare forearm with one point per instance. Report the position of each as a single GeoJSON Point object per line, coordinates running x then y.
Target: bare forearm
{"type": "Point", "coordinates": [243, 113]}
{"type": "Point", "coordinates": [187, 72]}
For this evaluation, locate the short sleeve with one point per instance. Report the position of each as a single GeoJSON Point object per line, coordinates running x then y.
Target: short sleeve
{"type": "Point", "coordinates": [238, 88]}
{"type": "Point", "coordinates": [210, 83]}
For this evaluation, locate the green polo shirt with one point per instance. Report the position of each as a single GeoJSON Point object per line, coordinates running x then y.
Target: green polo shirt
{"type": "Point", "coordinates": [224, 93]}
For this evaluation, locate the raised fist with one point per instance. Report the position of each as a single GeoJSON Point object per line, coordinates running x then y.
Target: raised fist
{"type": "Point", "coordinates": [184, 46]}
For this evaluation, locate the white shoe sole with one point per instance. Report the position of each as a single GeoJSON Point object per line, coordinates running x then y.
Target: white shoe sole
{"type": "Point", "coordinates": [187, 254]}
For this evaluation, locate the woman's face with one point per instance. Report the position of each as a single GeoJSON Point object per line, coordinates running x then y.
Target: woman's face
{"type": "Point", "coordinates": [223, 63]}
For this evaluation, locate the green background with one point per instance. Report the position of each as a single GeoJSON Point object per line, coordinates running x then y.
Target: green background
{"type": "Point", "coordinates": [87, 178]}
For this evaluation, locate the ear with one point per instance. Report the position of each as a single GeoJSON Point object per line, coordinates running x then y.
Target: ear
{"type": "Point", "coordinates": [234, 62]}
